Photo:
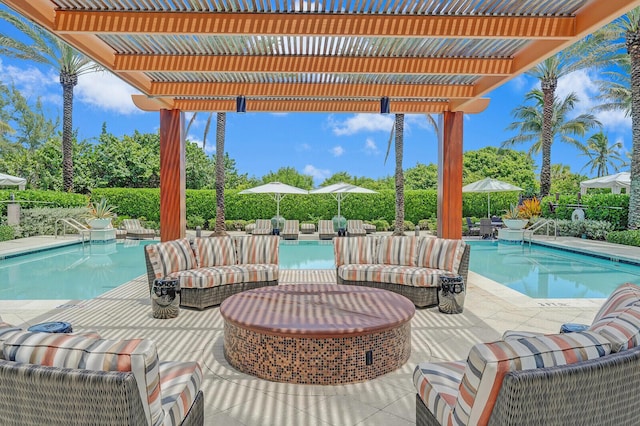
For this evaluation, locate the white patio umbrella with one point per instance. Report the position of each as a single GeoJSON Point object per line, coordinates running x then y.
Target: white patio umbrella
{"type": "Point", "coordinates": [615, 182]}
{"type": "Point", "coordinates": [489, 185]}
{"type": "Point", "coordinates": [8, 180]}
{"type": "Point", "coordinates": [277, 190]}
{"type": "Point", "coordinates": [340, 190]}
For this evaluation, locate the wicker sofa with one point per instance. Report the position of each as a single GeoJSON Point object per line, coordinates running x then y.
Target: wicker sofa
{"type": "Point", "coordinates": [407, 265]}
{"type": "Point", "coordinates": [211, 269]}
{"type": "Point", "coordinates": [81, 379]}
{"type": "Point", "coordinates": [590, 377]}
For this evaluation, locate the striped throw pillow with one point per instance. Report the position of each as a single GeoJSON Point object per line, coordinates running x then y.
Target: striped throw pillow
{"type": "Point", "coordinates": [440, 253]}
{"type": "Point", "coordinates": [488, 363]}
{"type": "Point", "coordinates": [171, 256]}
{"type": "Point", "coordinates": [214, 251]}
{"type": "Point", "coordinates": [354, 250]}
{"type": "Point", "coordinates": [74, 351]}
{"type": "Point", "coordinates": [262, 249]}
{"type": "Point", "coordinates": [620, 327]}
{"type": "Point", "coordinates": [623, 296]}
{"type": "Point", "coordinates": [402, 251]}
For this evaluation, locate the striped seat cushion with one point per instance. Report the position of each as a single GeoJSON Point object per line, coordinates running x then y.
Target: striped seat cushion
{"type": "Point", "coordinates": [214, 251]}
{"type": "Point", "coordinates": [6, 331]}
{"type": "Point", "coordinates": [401, 251]}
{"type": "Point", "coordinates": [258, 249]}
{"type": "Point", "coordinates": [440, 253]}
{"type": "Point", "coordinates": [623, 296]}
{"type": "Point", "coordinates": [520, 334]}
{"type": "Point", "coordinates": [488, 363]}
{"type": "Point", "coordinates": [354, 250]}
{"type": "Point", "coordinates": [391, 274]}
{"type": "Point", "coordinates": [223, 275]}
{"type": "Point", "coordinates": [137, 356]}
{"type": "Point", "coordinates": [437, 384]}
{"type": "Point", "coordinates": [170, 256]}
{"type": "Point", "coordinates": [621, 327]}
{"type": "Point", "coordinates": [180, 383]}
{"type": "Point", "coordinates": [307, 228]}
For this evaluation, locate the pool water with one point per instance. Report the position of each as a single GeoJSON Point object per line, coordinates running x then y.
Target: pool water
{"type": "Point", "coordinates": [303, 254]}
{"type": "Point", "coordinates": [71, 272]}
{"type": "Point", "coordinates": [547, 273]}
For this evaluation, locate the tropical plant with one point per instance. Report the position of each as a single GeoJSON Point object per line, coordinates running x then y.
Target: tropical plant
{"type": "Point", "coordinates": [47, 49]}
{"type": "Point", "coordinates": [602, 155]}
{"type": "Point", "coordinates": [531, 126]}
{"type": "Point", "coordinates": [513, 212]}
{"type": "Point", "coordinates": [100, 210]}
{"type": "Point", "coordinates": [530, 208]}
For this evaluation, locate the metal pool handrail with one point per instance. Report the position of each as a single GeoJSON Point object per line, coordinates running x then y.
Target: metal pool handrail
{"type": "Point", "coordinates": [79, 227]}
{"type": "Point", "coordinates": [539, 225]}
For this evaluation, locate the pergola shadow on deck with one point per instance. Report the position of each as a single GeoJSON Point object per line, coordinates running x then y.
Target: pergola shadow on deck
{"type": "Point", "coordinates": [318, 56]}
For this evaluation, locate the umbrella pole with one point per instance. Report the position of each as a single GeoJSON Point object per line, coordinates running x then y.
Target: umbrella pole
{"type": "Point", "coordinates": [488, 204]}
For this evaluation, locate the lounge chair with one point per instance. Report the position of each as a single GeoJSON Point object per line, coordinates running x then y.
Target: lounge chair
{"type": "Point", "coordinates": [325, 230]}
{"type": "Point", "coordinates": [290, 230]}
{"type": "Point", "coordinates": [355, 228]}
{"type": "Point", "coordinates": [307, 228]}
{"type": "Point", "coordinates": [473, 230]}
{"type": "Point", "coordinates": [486, 228]}
{"type": "Point", "coordinates": [135, 229]}
{"type": "Point", "coordinates": [263, 227]}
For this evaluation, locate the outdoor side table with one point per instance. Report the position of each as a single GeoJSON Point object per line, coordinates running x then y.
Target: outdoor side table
{"type": "Point", "coordinates": [165, 298]}
{"type": "Point", "coordinates": [451, 294]}
{"type": "Point", "coordinates": [52, 327]}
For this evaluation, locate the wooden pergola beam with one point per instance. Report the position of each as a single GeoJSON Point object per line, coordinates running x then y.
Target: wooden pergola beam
{"type": "Point", "coordinates": [312, 64]}
{"type": "Point", "coordinates": [527, 27]}
{"type": "Point", "coordinates": [321, 90]}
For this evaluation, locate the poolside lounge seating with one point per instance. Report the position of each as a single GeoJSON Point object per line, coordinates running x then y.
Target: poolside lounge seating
{"type": "Point", "coordinates": [307, 228]}
{"type": "Point", "coordinates": [369, 228]}
{"type": "Point", "coordinates": [590, 377]}
{"type": "Point", "coordinates": [212, 269]}
{"type": "Point", "coordinates": [473, 229]}
{"type": "Point", "coordinates": [290, 230]}
{"type": "Point", "coordinates": [355, 228]}
{"type": "Point", "coordinates": [486, 228]}
{"type": "Point", "coordinates": [121, 234]}
{"type": "Point", "coordinates": [325, 229]}
{"type": "Point", "coordinates": [249, 228]}
{"type": "Point", "coordinates": [407, 265]}
{"type": "Point", "coordinates": [81, 379]}
{"type": "Point", "coordinates": [263, 227]}
{"type": "Point", "coordinates": [135, 229]}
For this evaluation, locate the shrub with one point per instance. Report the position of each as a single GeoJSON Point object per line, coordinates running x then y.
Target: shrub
{"type": "Point", "coordinates": [7, 233]}
{"type": "Point", "coordinates": [530, 208]}
{"type": "Point", "coordinates": [630, 238]}
{"type": "Point", "coordinates": [592, 229]}
{"type": "Point", "coordinates": [193, 221]}
{"type": "Point", "coordinates": [45, 221]}
{"type": "Point", "coordinates": [381, 224]}
{"type": "Point", "coordinates": [424, 224]}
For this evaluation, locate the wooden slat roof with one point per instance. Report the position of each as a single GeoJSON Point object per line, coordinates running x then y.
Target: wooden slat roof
{"type": "Point", "coordinates": [319, 55]}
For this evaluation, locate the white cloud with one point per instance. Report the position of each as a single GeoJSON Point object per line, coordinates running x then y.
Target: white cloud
{"type": "Point", "coordinates": [518, 84]}
{"type": "Point", "coordinates": [33, 83]}
{"type": "Point", "coordinates": [337, 151]}
{"type": "Point", "coordinates": [106, 92]}
{"type": "Point", "coordinates": [370, 147]}
{"type": "Point", "coordinates": [318, 174]}
{"type": "Point", "coordinates": [303, 147]}
{"type": "Point", "coordinates": [362, 123]}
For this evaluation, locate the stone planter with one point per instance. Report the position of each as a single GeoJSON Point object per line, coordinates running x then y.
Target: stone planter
{"type": "Point", "coordinates": [99, 223]}
{"type": "Point", "coordinates": [516, 224]}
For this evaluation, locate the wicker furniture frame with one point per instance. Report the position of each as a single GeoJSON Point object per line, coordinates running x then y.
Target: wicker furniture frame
{"type": "Point", "coordinates": [422, 297]}
{"type": "Point", "coordinates": [41, 395]}
{"type": "Point", "coordinates": [201, 298]}
{"type": "Point", "coordinates": [601, 391]}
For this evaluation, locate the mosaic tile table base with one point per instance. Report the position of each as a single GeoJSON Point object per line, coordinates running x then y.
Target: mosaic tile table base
{"type": "Point", "coordinates": [317, 333]}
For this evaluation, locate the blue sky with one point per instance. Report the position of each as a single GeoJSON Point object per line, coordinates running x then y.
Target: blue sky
{"type": "Point", "coordinates": [313, 143]}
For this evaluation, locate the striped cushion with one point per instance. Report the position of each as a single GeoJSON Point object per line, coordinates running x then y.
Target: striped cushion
{"type": "Point", "coordinates": [519, 334]}
{"type": "Point", "coordinates": [180, 383]}
{"type": "Point", "coordinates": [222, 275]}
{"type": "Point", "coordinates": [406, 275]}
{"type": "Point", "coordinates": [440, 253]}
{"type": "Point", "coordinates": [623, 296]}
{"type": "Point", "coordinates": [214, 251]}
{"type": "Point", "coordinates": [397, 251]}
{"type": "Point", "coordinates": [488, 363]}
{"type": "Point", "coordinates": [258, 249]}
{"type": "Point", "coordinates": [6, 331]}
{"type": "Point", "coordinates": [354, 250]}
{"type": "Point", "coordinates": [290, 227]}
{"type": "Point", "coordinates": [620, 327]}
{"type": "Point", "coordinates": [171, 256]}
{"type": "Point", "coordinates": [263, 227]}
{"type": "Point", "coordinates": [73, 351]}
{"type": "Point", "coordinates": [437, 384]}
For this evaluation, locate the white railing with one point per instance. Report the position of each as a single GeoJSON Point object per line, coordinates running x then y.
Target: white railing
{"type": "Point", "coordinates": [81, 229]}
{"type": "Point", "coordinates": [539, 225]}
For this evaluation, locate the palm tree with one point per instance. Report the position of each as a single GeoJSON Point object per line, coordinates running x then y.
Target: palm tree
{"type": "Point", "coordinates": [602, 155]}
{"type": "Point", "coordinates": [221, 120]}
{"type": "Point", "coordinates": [47, 49]}
{"type": "Point", "coordinates": [615, 90]}
{"type": "Point", "coordinates": [399, 129]}
{"type": "Point", "coordinates": [207, 126]}
{"type": "Point", "coordinates": [530, 125]}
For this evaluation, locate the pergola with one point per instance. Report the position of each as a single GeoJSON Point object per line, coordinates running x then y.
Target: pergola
{"type": "Point", "coordinates": [397, 56]}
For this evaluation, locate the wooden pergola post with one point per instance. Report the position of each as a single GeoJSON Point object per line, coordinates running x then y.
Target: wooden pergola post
{"type": "Point", "coordinates": [173, 214]}
{"type": "Point", "coordinates": [450, 175]}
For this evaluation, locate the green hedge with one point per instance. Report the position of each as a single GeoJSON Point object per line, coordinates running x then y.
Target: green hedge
{"type": "Point", "coordinates": [630, 238]}
{"type": "Point", "coordinates": [31, 199]}
{"type": "Point", "coordinates": [613, 208]}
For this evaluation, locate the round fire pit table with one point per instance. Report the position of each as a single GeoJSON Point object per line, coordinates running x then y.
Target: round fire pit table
{"type": "Point", "coordinates": [317, 333]}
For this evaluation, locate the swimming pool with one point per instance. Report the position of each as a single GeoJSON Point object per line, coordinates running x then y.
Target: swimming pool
{"type": "Point", "coordinates": [303, 254]}
{"type": "Point", "coordinates": [71, 272]}
{"type": "Point", "coordinates": [547, 273]}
